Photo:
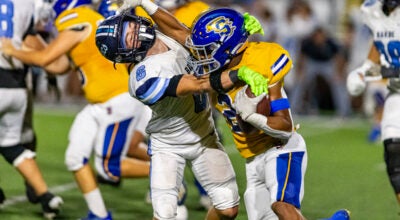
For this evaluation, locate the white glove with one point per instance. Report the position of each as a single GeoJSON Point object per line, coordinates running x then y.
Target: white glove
{"type": "Point", "coordinates": [244, 105]}
{"type": "Point", "coordinates": [149, 6]}
{"type": "Point", "coordinates": [355, 83]}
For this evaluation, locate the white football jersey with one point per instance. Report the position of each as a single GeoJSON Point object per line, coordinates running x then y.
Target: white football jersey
{"type": "Point", "coordinates": [184, 120]}
{"type": "Point", "coordinates": [16, 21]}
{"type": "Point", "coordinates": [386, 34]}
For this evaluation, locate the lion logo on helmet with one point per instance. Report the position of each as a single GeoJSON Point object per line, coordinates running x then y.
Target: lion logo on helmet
{"type": "Point", "coordinates": [222, 26]}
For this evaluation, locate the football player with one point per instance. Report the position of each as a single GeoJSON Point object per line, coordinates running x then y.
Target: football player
{"type": "Point", "coordinates": [18, 27]}
{"type": "Point", "coordinates": [111, 121]}
{"type": "Point", "coordinates": [276, 154]}
{"type": "Point", "coordinates": [181, 128]}
{"type": "Point", "coordinates": [383, 61]}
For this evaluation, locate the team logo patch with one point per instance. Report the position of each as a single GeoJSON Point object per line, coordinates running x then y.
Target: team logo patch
{"type": "Point", "coordinates": [222, 26]}
{"type": "Point", "coordinates": [103, 49]}
{"type": "Point", "coordinates": [140, 73]}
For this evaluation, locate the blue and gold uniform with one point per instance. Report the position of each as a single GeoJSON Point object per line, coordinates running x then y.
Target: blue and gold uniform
{"type": "Point", "coordinates": [273, 62]}
{"type": "Point", "coordinates": [100, 81]}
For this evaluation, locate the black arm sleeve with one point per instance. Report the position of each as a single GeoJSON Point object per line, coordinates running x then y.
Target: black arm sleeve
{"type": "Point", "coordinates": [173, 84]}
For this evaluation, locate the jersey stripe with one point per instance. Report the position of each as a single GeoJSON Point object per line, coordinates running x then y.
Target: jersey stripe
{"type": "Point", "coordinates": [155, 91]}
{"type": "Point", "coordinates": [279, 64]}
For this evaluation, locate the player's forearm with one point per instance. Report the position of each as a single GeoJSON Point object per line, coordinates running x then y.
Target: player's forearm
{"type": "Point", "coordinates": [37, 58]}
{"type": "Point", "coordinates": [59, 66]}
{"type": "Point", "coordinates": [168, 24]}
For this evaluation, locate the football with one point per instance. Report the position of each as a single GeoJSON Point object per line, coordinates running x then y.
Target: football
{"type": "Point", "coordinates": [263, 108]}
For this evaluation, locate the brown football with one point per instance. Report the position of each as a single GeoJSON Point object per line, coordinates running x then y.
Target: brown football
{"type": "Point", "coordinates": [263, 108]}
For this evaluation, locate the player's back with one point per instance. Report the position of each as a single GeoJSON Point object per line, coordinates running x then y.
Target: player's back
{"type": "Point", "coordinates": [100, 81]}
{"type": "Point", "coordinates": [16, 20]}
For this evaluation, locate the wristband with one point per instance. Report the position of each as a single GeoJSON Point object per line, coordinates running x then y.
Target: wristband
{"type": "Point", "coordinates": [233, 76]}
{"type": "Point", "coordinates": [149, 6]}
{"type": "Point", "coordinates": [215, 82]}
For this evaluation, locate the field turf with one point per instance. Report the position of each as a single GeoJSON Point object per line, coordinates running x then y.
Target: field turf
{"type": "Point", "coordinates": [344, 171]}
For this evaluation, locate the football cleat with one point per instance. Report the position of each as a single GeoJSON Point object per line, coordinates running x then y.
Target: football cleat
{"type": "Point", "coordinates": [51, 205]}
{"type": "Point", "coordinates": [92, 216]}
{"type": "Point", "coordinates": [2, 197]}
{"type": "Point", "coordinates": [342, 214]}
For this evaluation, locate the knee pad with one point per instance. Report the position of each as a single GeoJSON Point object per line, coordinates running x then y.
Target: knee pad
{"type": "Point", "coordinates": [392, 159]}
{"type": "Point", "coordinates": [165, 206]}
{"type": "Point", "coordinates": [74, 161]}
{"type": "Point", "coordinates": [16, 154]}
{"type": "Point", "coordinates": [226, 196]}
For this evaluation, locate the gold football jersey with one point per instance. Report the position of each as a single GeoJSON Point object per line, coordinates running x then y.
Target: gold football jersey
{"type": "Point", "coordinates": [100, 81]}
{"type": "Point", "coordinates": [273, 62]}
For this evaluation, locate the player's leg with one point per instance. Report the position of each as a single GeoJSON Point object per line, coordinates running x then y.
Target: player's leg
{"type": "Point", "coordinates": [284, 177]}
{"type": "Point", "coordinates": [82, 137]}
{"type": "Point", "coordinates": [167, 171]}
{"type": "Point", "coordinates": [13, 106]}
{"type": "Point", "coordinates": [257, 196]}
{"type": "Point", "coordinates": [391, 140]}
{"type": "Point", "coordinates": [215, 173]}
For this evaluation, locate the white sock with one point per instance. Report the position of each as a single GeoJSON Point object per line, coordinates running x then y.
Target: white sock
{"type": "Point", "coordinates": [95, 203]}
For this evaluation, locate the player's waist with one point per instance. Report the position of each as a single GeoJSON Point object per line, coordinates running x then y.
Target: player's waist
{"type": "Point", "coordinates": [12, 78]}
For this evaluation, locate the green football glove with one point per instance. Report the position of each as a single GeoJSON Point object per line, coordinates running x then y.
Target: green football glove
{"type": "Point", "coordinates": [258, 83]}
{"type": "Point", "coordinates": [252, 25]}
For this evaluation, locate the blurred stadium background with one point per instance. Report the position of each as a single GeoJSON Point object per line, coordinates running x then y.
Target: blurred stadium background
{"type": "Point", "coordinates": [345, 169]}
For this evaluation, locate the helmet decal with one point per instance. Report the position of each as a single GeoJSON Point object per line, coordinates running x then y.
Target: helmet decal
{"type": "Point", "coordinates": [222, 26]}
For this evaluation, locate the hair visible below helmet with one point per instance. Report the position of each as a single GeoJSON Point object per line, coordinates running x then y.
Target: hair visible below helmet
{"type": "Point", "coordinates": [170, 4]}
{"type": "Point", "coordinates": [61, 5]}
{"type": "Point", "coordinates": [216, 37]}
{"type": "Point", "coordinates": [108, 8]}
{"type": "Point", "coordinates": [110, 38]}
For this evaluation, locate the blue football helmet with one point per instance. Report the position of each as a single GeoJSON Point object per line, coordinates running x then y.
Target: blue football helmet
{"type": "Point", "coordinates": [110, 38]}
{"type": "Point", "coordinates": [61, 5]}
{"type": "Point", "coordinates": [108, 8]}
{"type": "Point", "coordinates": [216, 37]}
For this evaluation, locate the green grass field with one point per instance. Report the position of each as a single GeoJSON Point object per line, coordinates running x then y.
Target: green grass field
{"type": "Point", "coordinates": [344, 171]}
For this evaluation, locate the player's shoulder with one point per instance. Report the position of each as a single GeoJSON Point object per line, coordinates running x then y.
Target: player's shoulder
{"type": "Point", "coordinates": [199, 5]}
{"type": "Point", "coordinates": [369, 7]}
{"type": "Point", "coordinates": [77, 16]}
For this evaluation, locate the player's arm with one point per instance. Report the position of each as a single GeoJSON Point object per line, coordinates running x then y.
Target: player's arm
{"type": "Point", "coordinates": [35, 43]}
{"type": "Point", "coordinates": [279, 123]}
{"type": "Point", "coordinates": [63, 43]}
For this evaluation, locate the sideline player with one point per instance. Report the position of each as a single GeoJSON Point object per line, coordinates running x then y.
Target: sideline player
{"type": "Point", "coordinates": [18, 26]}
{"type": "Point", "coordinates": [181, 129]}
{"type": "Point", "coordinates": [383, 61]}
{"type": "Point", "coordinates": [111, 120]}
{"type": "Point", "coordinates": [217, 42]}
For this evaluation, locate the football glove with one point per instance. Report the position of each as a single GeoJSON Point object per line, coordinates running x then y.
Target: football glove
{"type": "Point", "coordinates": [244, 105]}
{"type": "Point", "coordinates": [258, 83]}
{"type": "Point", "coordinates": [355, 83]}
{"type": "Point", "coordinates": [149, 6]}
{"type": "Point", "coordinates": [252, 25]}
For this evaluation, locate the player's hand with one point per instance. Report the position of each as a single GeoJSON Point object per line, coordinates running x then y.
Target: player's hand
{"type": "Point", "coordinates": [129, 4]}
{"type": "Point", "coordinates": [252, 25]}
{"type": "Point", "coordinates": [244, 105]}
{"type": "Point", "coordinates": [258, 83]}
{"type": "Point", "coordinates": [355, 83]}
{"type": "Point", "coordinates": [6, 46]}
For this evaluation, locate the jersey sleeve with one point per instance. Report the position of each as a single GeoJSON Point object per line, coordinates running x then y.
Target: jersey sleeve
{"type": "Point", "coordinates": [72, 19]}
{"type": "Point", "coordinates": [281, 65]}
{"type": "Point", "coordinates": [146, 83]}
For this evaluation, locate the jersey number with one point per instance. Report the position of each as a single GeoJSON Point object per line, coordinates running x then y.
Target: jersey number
{"type": "Point", "coordinates": [6, 15]}
{"type": "Point", "coordinates": [392, 54]}
{"type": "Point", "coordinates": [229, 112]}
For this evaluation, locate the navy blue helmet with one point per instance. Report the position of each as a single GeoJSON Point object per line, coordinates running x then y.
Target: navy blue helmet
{"type": "Point", "coordinates": [111, 38]}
